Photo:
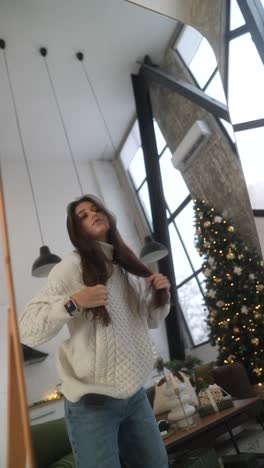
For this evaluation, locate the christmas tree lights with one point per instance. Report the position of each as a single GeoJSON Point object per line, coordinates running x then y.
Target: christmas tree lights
{"type": "Point", "coordinates": [234, 278]}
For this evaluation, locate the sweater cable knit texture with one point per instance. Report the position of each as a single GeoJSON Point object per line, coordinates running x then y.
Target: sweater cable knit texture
{"type": "Point", "coordinates": [114, 360]}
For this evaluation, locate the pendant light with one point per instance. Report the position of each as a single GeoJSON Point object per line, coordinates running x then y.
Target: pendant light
{"type": "Point", "coordinates": [46, 261]}
{"type": "Point", "coordinates": [152, 251]}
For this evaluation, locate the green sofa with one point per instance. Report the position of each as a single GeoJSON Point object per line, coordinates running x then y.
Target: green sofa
{"type": "Point", "coordinates": [51, 445]}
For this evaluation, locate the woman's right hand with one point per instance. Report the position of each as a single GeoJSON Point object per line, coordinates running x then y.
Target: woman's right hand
{"type": "Point", "coordinates": [90, 297]}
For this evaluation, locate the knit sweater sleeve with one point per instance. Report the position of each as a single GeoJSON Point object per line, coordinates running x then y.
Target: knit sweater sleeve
{"type": "Point", "coordinates": [155, 315]}
{"type": "Point", "coordinates": [45, 314]}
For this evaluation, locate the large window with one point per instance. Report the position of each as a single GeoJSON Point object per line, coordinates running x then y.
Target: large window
{"type": "Point", "coordinates": [246, 102]}
{"type": "Point", "coordinates": [245, 90]}
{"type": "Point", "coordinates": [187, 263]}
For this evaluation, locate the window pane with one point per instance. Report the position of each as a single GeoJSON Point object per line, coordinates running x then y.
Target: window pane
{"type": "Point", "coordinates": [137, 168]}
{"type": "Point", "coordinates": [185, 224]}
{"type": "Point", "coordinates": [188, 43]}
{"type": "Point", "coordinates": [204, 63]}
{"type": "Point", "coordinates": [182, 266]}
{"type": "Point", "coordinates": [215, 89]}
{"type": "Point", "coordinates": [161, 143]}
{"type": "Point", "coordinates": [144, 198]}
{"type": "Point", "coordinates": [174, 187]}
{"type": "Point", "coordinates": [250, 147]}
{"type": "Point", "coordinates": [246, 78]}
{"type": "Point", "coordinates": [229, 128]}
{"type": "Point", "coordinates": [195, 313]}
{"type": "Point", "coordinates": [236, 17]}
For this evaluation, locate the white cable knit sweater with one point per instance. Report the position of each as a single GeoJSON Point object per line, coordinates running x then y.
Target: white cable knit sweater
{"type": "Point", "coordinates": [114, 360]}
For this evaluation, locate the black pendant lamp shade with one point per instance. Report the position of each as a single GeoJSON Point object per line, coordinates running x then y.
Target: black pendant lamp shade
{"type": "Point", "coordinates": [152, 251]}
{"type": "Point", "coordinates": [44, 263]}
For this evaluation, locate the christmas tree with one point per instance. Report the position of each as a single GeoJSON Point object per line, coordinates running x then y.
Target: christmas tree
{"type": "Point", "coordinates": [234, 291]}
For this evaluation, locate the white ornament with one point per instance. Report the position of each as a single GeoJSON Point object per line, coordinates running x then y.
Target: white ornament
{"type": "Point", "coordinates": [244, 310]}
{"type": "Point", "coordinates": [252, 276]}
{"type": "Point", "coordinates": [211, 293]}
{"type": "Point", "coordinates": [238, 270]}
{"type": "Point", "coordinates": [207, 272]}
{"type": "Point", "coordinates": [211, 260]}
{"type": "Point", "coordinates": [220, 303]}
{"type": "Point", "coordinates": [218, 219]}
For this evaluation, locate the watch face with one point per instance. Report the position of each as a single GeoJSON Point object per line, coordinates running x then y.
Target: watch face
{"type": "Point", "coordinates": [70, 307]}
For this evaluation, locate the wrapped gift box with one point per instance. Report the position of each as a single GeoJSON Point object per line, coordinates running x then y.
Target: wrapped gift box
{"type": "Point", "coordinates": [213, 399]}
{"type": "Point", "coordinates": [201, 458]}
{"type": "Point", "coordinates": [221, 405]}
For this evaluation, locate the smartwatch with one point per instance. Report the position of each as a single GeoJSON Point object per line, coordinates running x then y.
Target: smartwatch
{"type": "Point", "coordinates": [71, 306]}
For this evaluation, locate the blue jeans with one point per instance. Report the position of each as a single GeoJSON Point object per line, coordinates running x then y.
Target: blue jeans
{"type": "Point", "coordinates": [101, 428]}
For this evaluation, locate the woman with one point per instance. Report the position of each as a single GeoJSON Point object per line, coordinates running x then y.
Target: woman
{"type": "Point", "coordinates": [97, 291]}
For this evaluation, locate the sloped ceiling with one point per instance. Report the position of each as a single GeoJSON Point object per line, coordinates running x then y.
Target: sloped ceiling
{"type": "Point", "coordinates": [112, 34]}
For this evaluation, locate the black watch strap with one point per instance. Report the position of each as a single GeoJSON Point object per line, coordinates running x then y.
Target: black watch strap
{"type": "Point", "coordinates": [71, 306]}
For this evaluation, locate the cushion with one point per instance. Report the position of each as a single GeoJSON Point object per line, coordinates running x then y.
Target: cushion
{"type": "Point", "coordinates": [64, 462]}
{"type": "Point", "coordinates": [234, 380]}
{"type": "Point", "coordinates": [50, 442]}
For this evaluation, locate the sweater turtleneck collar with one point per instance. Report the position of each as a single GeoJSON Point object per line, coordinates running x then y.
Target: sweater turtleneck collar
{"type": "Point", "coordinates": [108, 250]}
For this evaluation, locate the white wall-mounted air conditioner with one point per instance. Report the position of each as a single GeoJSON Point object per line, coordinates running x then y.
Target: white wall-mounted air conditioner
{"type": "Point", "coordinates": [191, 145]}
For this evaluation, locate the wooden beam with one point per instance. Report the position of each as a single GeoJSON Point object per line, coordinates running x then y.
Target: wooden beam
{"type": "Point", "coordinates": [19, 447]}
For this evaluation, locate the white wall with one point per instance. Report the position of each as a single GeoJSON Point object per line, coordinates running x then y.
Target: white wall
{"type": "Point", "coordinates": [55, 185]}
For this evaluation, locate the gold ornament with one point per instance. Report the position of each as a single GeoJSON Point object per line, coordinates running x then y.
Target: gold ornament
{"type": "Point", "coordinates": [258, 371]}
{"type": "Point", "coordinates": [259, 287]}
{"type": "Point", "coordinates": [255, 341]}
{"type": "Point", "coordinates": [230, 229]}
{"type": "Point", "coordinates": [236, 330]}
{"type": "Point", "coordinates": [230, 256]}
{"type": "Point", "coordinates": [218, 280]}
{"type": "Point", "coordinates": [231, 358]}
{"type": "Point", "coordinates": [207, 224]}
{"type": "Point", "coordinates": [201, 215]}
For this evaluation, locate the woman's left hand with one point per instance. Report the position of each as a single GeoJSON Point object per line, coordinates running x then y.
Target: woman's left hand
{"type": "Point", "coordinates": [159, 281]}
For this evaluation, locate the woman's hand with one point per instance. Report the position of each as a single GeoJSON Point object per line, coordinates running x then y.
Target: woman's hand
{"type": "Point", "coordinates": [159, 281]}
{"type": "Point", "coordinates": [90, 297]}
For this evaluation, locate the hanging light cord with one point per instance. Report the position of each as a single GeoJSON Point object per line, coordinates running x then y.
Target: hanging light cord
{"type": "Point", "coordinates": [80, 57]}
{"type": "Point", "coordinates": [43, 53]}
{"type": "Point", "coordinates": [2, 46]}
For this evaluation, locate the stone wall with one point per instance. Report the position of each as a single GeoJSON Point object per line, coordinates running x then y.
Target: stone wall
{"type": "Point", "coordinates": [216, 174]}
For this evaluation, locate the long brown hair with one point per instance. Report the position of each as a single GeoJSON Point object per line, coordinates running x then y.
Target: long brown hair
{"type": "Point", "coordinates": [96, 267]}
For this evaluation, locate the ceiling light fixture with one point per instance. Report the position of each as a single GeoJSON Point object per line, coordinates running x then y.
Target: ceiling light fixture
{"type": "Point", "coordinates": [46, 261]}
